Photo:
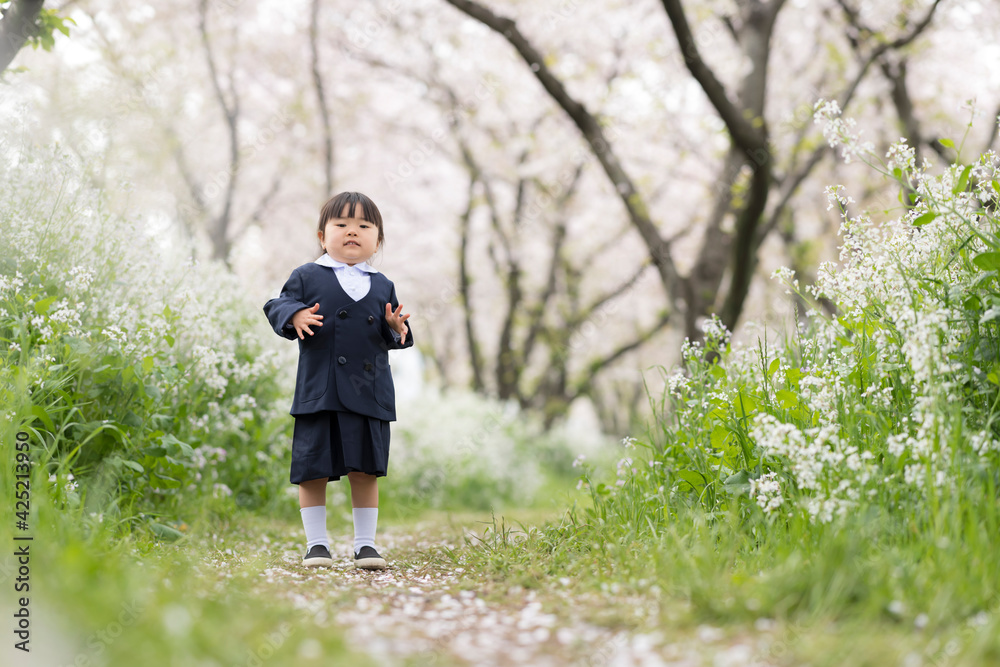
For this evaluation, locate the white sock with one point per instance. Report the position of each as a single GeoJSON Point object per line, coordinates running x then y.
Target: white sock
{"type": "Point", "coordinates": [365, 521]}
{"type": "Point", "coordinates": [314, 521]}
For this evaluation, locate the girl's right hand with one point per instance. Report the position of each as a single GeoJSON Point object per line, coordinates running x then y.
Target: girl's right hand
{"type": "Point", "coordinates": [306, 318]}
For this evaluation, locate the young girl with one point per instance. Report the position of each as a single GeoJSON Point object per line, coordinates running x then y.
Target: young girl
{"type": "Point", "coordinates": [346, 318]}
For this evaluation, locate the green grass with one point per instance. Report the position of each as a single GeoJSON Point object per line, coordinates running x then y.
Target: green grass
{"type": "Point", "coordinates": [96, 599]}
{"type": "Point", "coordinates": [875, 588]}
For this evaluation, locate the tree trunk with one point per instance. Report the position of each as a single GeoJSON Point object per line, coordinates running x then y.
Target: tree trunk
{"type": "Point", "coordinates": [17, 26]}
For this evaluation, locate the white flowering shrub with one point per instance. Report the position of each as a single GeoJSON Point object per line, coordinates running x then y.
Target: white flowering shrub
{"type": "Point", "coordinates": [893, 399]}
{"type": "Point", "coordinates": [140, 375]}
{"type": "Point", "coordinates": [457, 449]}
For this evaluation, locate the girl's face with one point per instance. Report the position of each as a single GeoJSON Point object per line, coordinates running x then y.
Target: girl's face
{"type": "Point", "coordinates": [349, 240]}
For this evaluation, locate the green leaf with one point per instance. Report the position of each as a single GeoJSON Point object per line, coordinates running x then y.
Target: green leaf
{"type": "Point", "coordinates": [787, 399]}
{"type": "Point", "coordinates": [744, 404]}
{"type": "Point", "coordinates": [925, 218]}
{"type": "Point", "coordinates": [719, 436]}
{"type": "Point", "coordinates": [963, 180]}
{"type": "Point", "coordinates": [973, 303]}
{"type": "Point", "coordinates": [692, 477]}
{"type": "Point", "coordinates": [163, 482]}
{"type": "Point", "coordinates": [39, 412]}
{"type": "Point", "coordinates": [165, 532]}
{"type": "Point", "coordinates": [175, 446]}
{"type": "Point", "coordinates": [719, 413]}
{"type": "Point", "coordinates": [987, 261]}
{"type": "Point", "coordinates": [147, 363]}
{"type": "Point", "coordinates": [133, 465]}
{"type": "Point", "coordinates": [738, 483]}
{"type": "Point", "coordinates": [42, 306]}
{"type": "Point", "coordinates": [773, 367]}
{"type": "Point", "coordinates": [948, 143]}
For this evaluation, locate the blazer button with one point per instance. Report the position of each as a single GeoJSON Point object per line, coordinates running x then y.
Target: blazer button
{"type": "Point", "coordinates": [371, 318]}
{"type": "Point", "coordinates": [341, 360]}
{"type": "Point", "coordinates": [342, 314]}
{"type": "Point", "coordinates": [368, 367]}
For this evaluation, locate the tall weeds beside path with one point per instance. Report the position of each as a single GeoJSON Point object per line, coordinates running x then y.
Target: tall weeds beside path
{"type": "Point", "coordinates": [849, 473]}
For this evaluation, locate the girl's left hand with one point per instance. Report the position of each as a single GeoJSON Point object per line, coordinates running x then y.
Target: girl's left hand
{"type": "Point", "coordinates": [397, 321]}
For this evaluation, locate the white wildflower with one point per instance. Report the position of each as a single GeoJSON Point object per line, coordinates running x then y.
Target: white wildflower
{"type": "Point", "coordinates": [901, 156]}
{"type": "Point", "coordinates": [716, 332]}
{"type": "Point", "coordinates": [625, 466]}
{"type": "Point", "coordinates": [766, 491]}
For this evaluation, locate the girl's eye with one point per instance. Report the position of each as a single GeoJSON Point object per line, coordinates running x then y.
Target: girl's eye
{"type": "Point", "coordinates": [364, 226]}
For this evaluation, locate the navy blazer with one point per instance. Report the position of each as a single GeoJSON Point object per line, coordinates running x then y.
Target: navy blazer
{"type": "Point", "coordinates": [344, 365]}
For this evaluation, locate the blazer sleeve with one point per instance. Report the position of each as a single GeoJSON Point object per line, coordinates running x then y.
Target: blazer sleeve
{"type": "Point", "coordinates": [279, 310]}
{"type": "Point", "coordinates": [391, 337]}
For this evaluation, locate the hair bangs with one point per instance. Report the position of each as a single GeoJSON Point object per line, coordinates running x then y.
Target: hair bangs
{"type": "Point", "coordinates": [335, 208]}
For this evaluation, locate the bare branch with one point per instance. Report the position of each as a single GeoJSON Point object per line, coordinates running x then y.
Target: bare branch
{"type": "Point", "coordinates": [793, 181]}
{"type": "Point", "coordinates": [265, 201]}
{"type": "Point", "coordinates": [465, 283]}
{"type": "Point", "coordinates": [536, 313]}
{"type": "Point", "coordinates": [324, 112]}
{"type": "Point", "coordinates": [883, 47]}
{"type": "Point", "coordinates": [894, 72]}
{"type": "Point", "coordinates": [743, 133]}
{"type": "Point", "coordinates": [593, 133]}
{"type": "Point", "coordinates": [584, 384]}
{"type": "Point", "coordinates": [219, 231]}
{"type": "Point", "coordinates": [613, 293]}
{"type": "Point", "coordinates": [788, 188]}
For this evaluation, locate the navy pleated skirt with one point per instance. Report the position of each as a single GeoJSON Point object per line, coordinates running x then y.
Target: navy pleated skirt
{"type": "Point", "coordinates": [332, 444]}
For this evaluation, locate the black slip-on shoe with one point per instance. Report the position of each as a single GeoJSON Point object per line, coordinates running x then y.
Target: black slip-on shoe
{"type": "Point", "coordinates": [368, 559]}
{"type": "Point", "coordinates": [318, 556]}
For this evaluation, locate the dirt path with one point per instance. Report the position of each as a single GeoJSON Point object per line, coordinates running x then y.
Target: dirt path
{"type": "Point", "coordinates": [426, 609]}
